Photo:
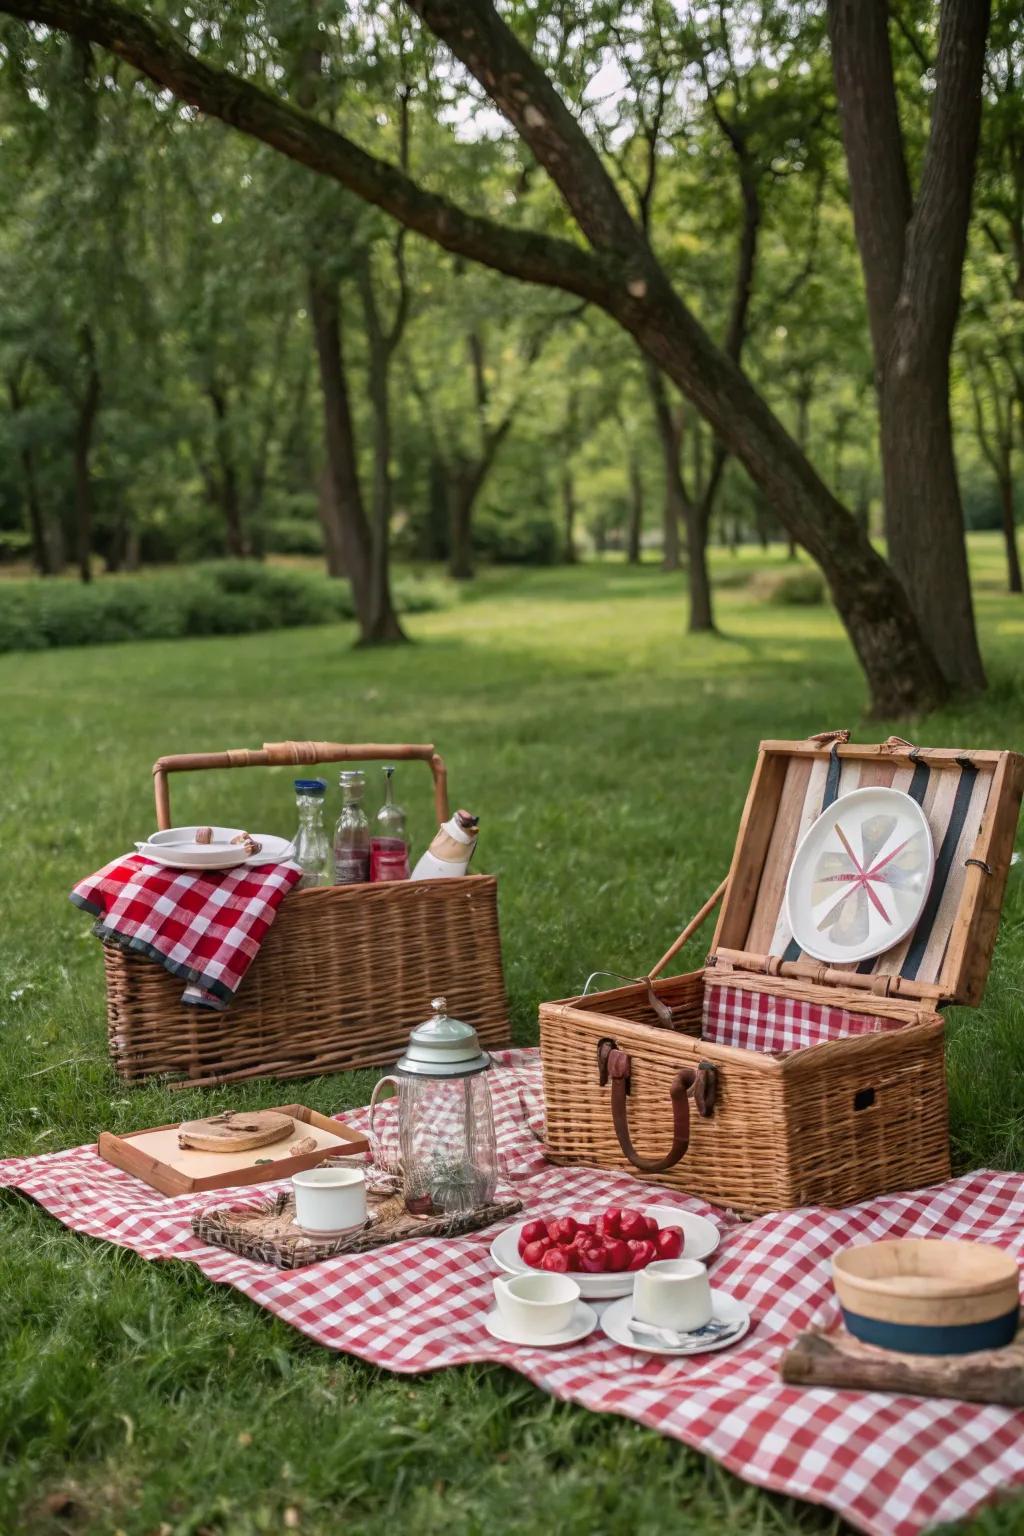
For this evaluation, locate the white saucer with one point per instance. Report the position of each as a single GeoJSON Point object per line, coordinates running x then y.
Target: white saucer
{"type": "Point", "coordinates": [582, 1323]}
{"type": "Point", "coordinates": [726, 1309]}
{"type": "Point", "coordinates": [700, 1238]}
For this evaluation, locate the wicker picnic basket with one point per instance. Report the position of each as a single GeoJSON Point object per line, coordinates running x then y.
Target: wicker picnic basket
{"type": "Point", "coordinates": [343, 974]}
{"type": "Point", "coordinates": [659, 1076]}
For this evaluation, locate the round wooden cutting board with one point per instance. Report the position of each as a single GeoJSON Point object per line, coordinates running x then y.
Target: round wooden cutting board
{"type": "Point", "coordinates": [235, 1130]}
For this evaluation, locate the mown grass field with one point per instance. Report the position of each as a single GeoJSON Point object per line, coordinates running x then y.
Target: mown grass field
{"type": "Point", "coordinates": [609, 756]}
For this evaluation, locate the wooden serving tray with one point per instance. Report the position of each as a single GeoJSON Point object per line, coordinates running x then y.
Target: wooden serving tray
{"type": "Point", "coordinates": [155, 1157]}
{"type": "Point", "coordinates": [267, 1232]}
{"type": "Point", "coordinates": [836, 1359]}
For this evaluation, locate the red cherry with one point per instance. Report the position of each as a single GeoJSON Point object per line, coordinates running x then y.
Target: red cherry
{"type": "Point", "coordinates": [611, 1222]}
{"type": "Point", "coordinates": [552, 1229]}
{"type": "Point", "coordinates": [642, 1251]}
{"type": "Point", "coordinates": [566, 1230]}
{"type": "Point", "coordinates": [652, 1228]}
{"type": "Point", "coordinates": [556, 1261]}
{"type": "Point", "coordinates": [670, 1242]}
{"type": "Point", "coordinates": [533, 1254]}
{"type": "Point", "coordinates": [533, 1231]}
{"type": "Point", "coordinates": [575, 1257]}
{"type": "Point", "coordinates": [632, 1224]}
{"type": "Point", "coordinates": [592, 1261]}
{"type": "Point", "coordinates": [617, 1255]}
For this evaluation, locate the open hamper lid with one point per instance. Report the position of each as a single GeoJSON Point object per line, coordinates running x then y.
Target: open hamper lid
{"type": "Point", "coordinates": [971, 801]}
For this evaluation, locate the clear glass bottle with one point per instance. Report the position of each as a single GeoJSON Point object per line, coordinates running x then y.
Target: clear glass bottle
{"type": "Point", "coordinates": [312, 848]}
{"type": "Point", "coordinates": [352, 833]}
{"type": "Point", "coordinates": [389, 846]}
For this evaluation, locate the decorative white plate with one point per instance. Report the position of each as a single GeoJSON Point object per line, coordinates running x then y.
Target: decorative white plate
{"type": "Point", "coordinates": [582, 1323]}
{"type": "Point", "coordinates": [700, 1238]}
{"type": "Point", "coordinates": [178, 849]}
{"type": "Point", "coordinates": [725, 1309]}
{"type": "Point", "coordinates": [860, 876]}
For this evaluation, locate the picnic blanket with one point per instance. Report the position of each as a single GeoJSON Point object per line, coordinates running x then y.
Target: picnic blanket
{"type": "Point", "coordinates": [205, 926]}
{"type": "Point", "coordinates": [890, 1465]}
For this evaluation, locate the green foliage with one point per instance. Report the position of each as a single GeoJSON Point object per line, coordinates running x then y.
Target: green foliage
{"type": "Point", "coordinates": [799, 589]}
{"type": "Point", "coordinates": [223, 598]}
{"type": "Point", "coordinates": [525, 536]}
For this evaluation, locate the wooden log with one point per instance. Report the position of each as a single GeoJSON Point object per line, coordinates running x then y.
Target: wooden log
{"type": "Point", "coordinates": [818, 1359]}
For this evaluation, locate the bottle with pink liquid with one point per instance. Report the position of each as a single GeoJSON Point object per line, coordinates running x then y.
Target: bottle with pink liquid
{"type": "Point", "coordinates": [389, 846]}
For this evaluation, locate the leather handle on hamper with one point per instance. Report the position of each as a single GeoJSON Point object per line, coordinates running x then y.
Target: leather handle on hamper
{"type": "Point", "coordinates": [297, 754]}
{"type": "Point", "coordinates": [614, 1066]}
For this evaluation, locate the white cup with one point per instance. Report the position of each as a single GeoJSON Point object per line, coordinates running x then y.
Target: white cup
{"type": "Point", "coordinates": [536, 1304]}
{"type": "Point", "coordinates": [672, 1293]}
{"type": "Point", "coordinates": [329, 1200]}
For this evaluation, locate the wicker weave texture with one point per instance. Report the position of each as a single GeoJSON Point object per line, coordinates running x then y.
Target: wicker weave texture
{"type": "Point", "coordinates": [838, 1122]}
{"type": "Point", "coordinates": [341, 978]}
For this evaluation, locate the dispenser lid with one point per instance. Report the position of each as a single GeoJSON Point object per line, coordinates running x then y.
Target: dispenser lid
{"type": "Point", "coordinates": [443, 1047]}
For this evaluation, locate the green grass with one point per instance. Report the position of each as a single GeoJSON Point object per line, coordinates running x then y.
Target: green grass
{"type": "Point", "coordinates": [609, 756]}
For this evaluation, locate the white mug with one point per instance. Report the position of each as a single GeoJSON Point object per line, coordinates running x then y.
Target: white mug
{"type": "Point", "coordinates": [329, 1200]}
{"type": "Point", "coordinates": [536, 1304]}
{"type": "Point", "coordinates": [672, 1293]}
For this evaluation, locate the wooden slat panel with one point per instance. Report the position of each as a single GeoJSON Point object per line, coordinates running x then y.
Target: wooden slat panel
{"type": "Point", "coordinates": [966, 963]}
{"type": "Point", "coordinates": [772, 890]}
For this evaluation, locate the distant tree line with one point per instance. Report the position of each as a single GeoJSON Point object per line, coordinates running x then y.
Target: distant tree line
{"type": "Point", "coordinates": [770, 275]}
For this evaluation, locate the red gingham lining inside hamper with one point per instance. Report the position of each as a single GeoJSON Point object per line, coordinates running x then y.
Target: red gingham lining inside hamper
{"type": "Point", "coordinates": [760, 1021]}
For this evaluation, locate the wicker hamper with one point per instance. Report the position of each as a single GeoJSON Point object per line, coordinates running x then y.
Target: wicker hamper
{"type": "Point", "coordinates": [344, 972]}
{"type": "Point", "coordinates": [640, 1077]}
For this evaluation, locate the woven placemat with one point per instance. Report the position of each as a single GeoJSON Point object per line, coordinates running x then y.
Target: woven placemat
{"type": "Point", "coordinates": [265, 1230]}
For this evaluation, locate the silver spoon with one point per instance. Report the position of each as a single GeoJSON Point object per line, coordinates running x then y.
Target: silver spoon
{"type": "Point", "coordinates": [674, 1340]}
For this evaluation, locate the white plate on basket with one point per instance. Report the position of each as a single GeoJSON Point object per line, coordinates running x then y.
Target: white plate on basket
{"type": "Point", "coordinates": [724, 1309]}
{"type": "Point", "coordinates": [860, 876]}
{"type": "Point", "coordinates": [700, 1238]}
{"type": "Point", "coordinates": [177, 849]}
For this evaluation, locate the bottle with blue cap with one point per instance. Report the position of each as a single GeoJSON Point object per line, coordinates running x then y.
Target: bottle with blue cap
{"type": "Point", "coordinates": [312, 847]}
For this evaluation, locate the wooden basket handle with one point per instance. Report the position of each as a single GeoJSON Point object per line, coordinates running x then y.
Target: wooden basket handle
{"type": "Point", "coordinates": [296, 754]}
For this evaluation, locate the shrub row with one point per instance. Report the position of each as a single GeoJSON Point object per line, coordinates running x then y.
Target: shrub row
{"type": "Point", "coordinates": [222, 598]}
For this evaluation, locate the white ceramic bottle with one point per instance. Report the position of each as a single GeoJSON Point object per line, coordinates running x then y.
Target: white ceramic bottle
{"type": "Point", "coordinates": [451, 850]}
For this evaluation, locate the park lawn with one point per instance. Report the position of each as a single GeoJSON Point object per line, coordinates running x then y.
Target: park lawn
{"type": "Point", "coordinates": [609, 755]}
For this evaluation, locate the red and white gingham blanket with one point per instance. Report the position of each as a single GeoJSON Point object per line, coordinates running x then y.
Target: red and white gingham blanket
{"type": "Point", "coordinates": [891, 1465]}
{"type": "Point", "coordinates": [205, 927]}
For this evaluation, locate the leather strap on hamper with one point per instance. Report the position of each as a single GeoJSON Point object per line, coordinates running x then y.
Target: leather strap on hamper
{"type": "Point", "coordinates": [614, 1066]}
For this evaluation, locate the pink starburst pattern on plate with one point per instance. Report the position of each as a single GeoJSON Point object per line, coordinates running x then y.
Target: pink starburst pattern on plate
{"type": "Point", "coordinates": [870, 890]}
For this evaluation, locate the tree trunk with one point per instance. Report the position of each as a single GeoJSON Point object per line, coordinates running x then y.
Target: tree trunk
{"type": "Point", "coordinates": [384, 623]}
{"type": "Point", "coordinates": [227, 486]}
{"type": "Point", "coordinates": [1010, 531]}
{"type": "Point", "coordinates": [701, 613]}
{"type": "Point", "coordinates": [354, 534]}
{"type": "Point", "coordinates": [569, 554]}
{"type": "Point", "coordinates": [462, 489]}
{"type": "Point", "coordinates": [636, 509]}
{"type": "Point", "coordinates": [43, 554]}
{"type": "Point", "coordinates": [330, 525]}
{"type": "Point", "coordinates": [88, 406]}
{"type": "Point", "coordinates": [436, 534]}
{"type": "Point", "coordinates": [924, 520]}
{"type": "Point", "coordinates": [670, 437]}
{"type": "Point", "coordinates": [912, 254]}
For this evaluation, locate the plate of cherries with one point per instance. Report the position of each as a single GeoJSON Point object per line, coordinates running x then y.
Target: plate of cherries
{"type": "Point", "coordinates": [603, 1251]}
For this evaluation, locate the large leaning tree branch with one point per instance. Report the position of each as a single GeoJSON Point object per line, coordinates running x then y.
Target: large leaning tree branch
{"type": "Point", "coordinates": [156, 51]}
{"type": "Point", "coordinates": [620, 273]}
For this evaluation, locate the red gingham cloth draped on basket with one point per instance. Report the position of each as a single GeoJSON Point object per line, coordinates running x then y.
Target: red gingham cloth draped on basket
{"type": "Point", "coordinates": [762, 1021]}
{"type": "Point", "coordinates": [890, 1465]}
{"type": "Point", "coordinates": [206, 927]}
